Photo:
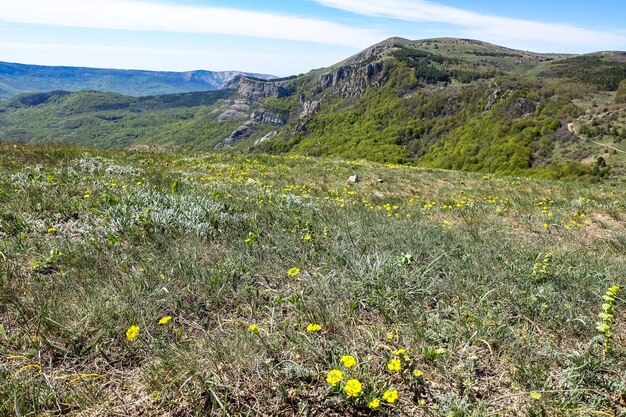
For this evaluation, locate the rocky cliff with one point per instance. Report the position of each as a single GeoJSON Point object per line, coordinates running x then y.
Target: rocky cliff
{"type": "Point", "coordinates": [253, 89]}
{"type": "Point", "coordinates": [351, 81]}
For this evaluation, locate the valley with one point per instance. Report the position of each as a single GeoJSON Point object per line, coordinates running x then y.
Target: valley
{"type": "Point", "coordinates": [442, 103]}
{"type": "Point", "coordinates": [427, 228]}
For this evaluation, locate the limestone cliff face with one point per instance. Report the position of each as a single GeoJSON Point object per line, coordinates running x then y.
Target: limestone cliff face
{"type": "Point", "coordinates": [309, 107]}
{"type": "Point", "coordinates": [361, 71]}
{"type": "Point", "coordinates": [351, 81]}
{"type": "Point", "coordinates": [263, 116]}
{"type": "Point", "coordinates": [253, 89]}
{"type": "Point", "coordinates": [247, 129]}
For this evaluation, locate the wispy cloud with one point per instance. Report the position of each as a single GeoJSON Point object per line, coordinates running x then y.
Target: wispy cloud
{"type": "Point", "coordinates": [481, 25]}
{"type": "Point", "coordinates": [154, 16]}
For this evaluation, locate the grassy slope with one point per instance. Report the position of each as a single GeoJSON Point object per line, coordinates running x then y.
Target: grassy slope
{"type": "Point", "coordinates": [434, 259]}
{"type": "Point", "coordinates": [188, 120]}
{"type": "Point", "coordinates": [604, 123]}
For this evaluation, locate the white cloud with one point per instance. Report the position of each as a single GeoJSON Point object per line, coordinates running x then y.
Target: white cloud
{"type": "Point", "coordinates": [486, 27]}
{"type": "Point", "coordinates": [153, 16]}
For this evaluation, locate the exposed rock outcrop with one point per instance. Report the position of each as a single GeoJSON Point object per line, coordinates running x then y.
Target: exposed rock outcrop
{"type": "Point", "coordinates": [309, 107]}
{"type": "Point", "coordinates": [266, 137]}
{"type": "Point", "coordinates": [253, 89]}
{"type": "Point", "coordinates": [326, 80]}
{"type": "Point", "coordinates": [521, 108]}
{"type": "Point", "coordinates": [492, 100]}
{"type": "Point", "coordinates": [352, 80]}
{"type": "Point", "coordinates": [263, 116]}
{"type": "Point", "coordinates": [249, 127]}
{"type": "Point", "coordinates": [242, 132]}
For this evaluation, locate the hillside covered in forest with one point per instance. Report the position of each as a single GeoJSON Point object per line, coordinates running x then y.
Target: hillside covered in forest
{"type": "Point", "coordinates": [445, 103]}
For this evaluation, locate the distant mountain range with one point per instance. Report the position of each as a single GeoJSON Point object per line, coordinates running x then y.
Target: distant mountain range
{"type": "Point", "coordinates": [445, 103]}
{"type": "Point", "coordinates": [17, 79]}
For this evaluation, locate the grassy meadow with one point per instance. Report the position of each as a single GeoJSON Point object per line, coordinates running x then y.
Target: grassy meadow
{"type": "Point", "coordinates": [138, 283]}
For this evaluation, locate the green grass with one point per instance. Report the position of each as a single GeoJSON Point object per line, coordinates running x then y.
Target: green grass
{"type": "Point", "coordinates": [603, 128]}
{"type": "Point", "coordinates": [93, 242]}
{"type": "Point", "coordinates": [91, 118]}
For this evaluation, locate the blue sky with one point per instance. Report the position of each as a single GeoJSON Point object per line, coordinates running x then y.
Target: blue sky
{"type": "Point", "coordinates": [284, 37]}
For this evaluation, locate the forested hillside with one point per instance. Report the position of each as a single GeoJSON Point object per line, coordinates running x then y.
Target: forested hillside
{"type": "Point", "coordinates": [444, 103]}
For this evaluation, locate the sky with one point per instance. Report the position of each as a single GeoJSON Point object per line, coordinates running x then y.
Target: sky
{"type": "Point", "coordinates": [285, 37]}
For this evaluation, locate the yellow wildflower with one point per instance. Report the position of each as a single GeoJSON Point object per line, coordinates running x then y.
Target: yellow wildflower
{"type": "Point", "coordinates": [165, 320]}
{"type": "Point", "coordinates": [390, 396]}
{"type": "Point", "coordinates": [348, 361]}
{"type": "Point", "coordinates": [389, 336]}
{"type": "Point", "coordinates": [307, 237]}
{"type": "Point", "coordinates": [312, 327]}
{"type": "Point", "coordinates": [52, 230]}
{"type": "Point", "coordinates": [334, 377]}
{"type": "Point", "coordinates": [395, 365]}
{"type": "Point", "coordinates": [535, 395]}
{"type": "Point", "coordinates": [253, 328]}
{"type": "Point", "coordinates": [293, 272]}
{"type": "Point", "coordinates": [374, 404]}
{"type": "Point", "coordinates": [399, 352]}
{"type": "Point", "coordinates": [132, 333]}
{"type": "Point", "coordinates": [353, 388]}
{"type": "Point", "coordinates": [417, 373]}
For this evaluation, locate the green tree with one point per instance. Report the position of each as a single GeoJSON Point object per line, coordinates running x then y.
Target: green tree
{"type": "Point", "coordinates": [620, 95]}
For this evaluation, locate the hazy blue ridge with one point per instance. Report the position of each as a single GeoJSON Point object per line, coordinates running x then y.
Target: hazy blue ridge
{"type": "Point", "coordinates": [18, 79]}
